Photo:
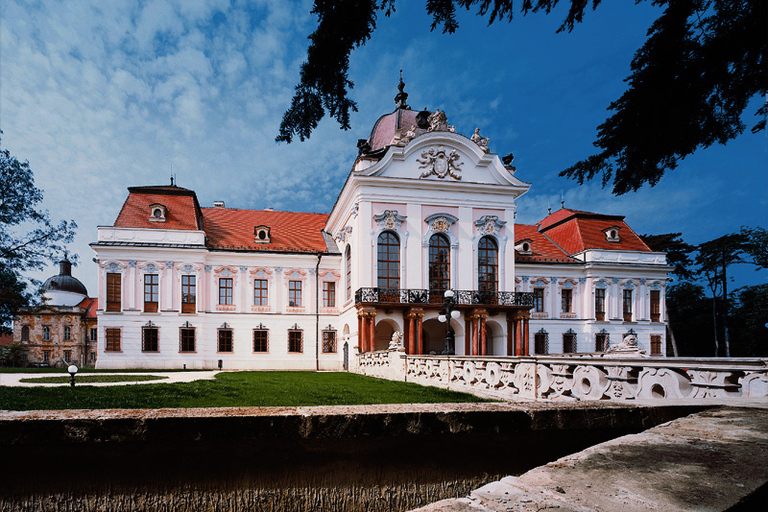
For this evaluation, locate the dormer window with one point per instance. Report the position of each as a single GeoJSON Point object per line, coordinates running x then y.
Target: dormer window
{"type": "Point", "coordinates": [157, 212]}
{"type": "Point", "coordinates": [612, 234]}
{"type": "Point", "coordinates": [524, 247]}
{"type": "Point", "coordinates": [261, 234]}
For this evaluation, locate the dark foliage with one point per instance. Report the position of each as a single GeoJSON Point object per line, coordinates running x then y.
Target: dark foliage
{"type": "Point", "coordinates": [28, 237]}
{"type": "Point", "coordinates": [678, 252]}
{"type": "Point", "coordinates": [691, 81]}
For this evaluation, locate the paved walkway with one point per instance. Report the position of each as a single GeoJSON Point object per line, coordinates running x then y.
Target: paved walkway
{"type": "Point", "coordinates": [708, 461]}
{"type": "Point", "coordinates": [14, 379]}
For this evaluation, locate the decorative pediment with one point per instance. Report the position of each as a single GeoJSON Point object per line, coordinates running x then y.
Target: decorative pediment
{"type": "Point", "coordinates": [225, 272]}
{"type": "Point", "coordinates": [440, 222]}
{"type": "Point", "coordinates": [261, 272]}
{"type": "Point", "coordinates": [489, 225]}
{"type": "Point", "coordinates": [390, 219]}
{"type": "Point", "coordinates": [440, 162]}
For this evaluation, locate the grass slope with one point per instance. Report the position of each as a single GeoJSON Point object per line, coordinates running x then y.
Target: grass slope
{"type": "Point", "coordinates": [233, 389]}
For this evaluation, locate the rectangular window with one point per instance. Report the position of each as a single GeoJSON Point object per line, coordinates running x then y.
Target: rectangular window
{"type": "Point", "coordinates": [329, 294]}
{"type": "Point", "coordinates": [46, 333]}
{"type": "Point", "coordinates": [113, 291]}
{"type": "Point", "coordinates": [655, 305]}
{"type": "Point", "coordinates": [151, 292]}
{"type": "Point", "coordinates": [601, 342]}
{"type": "Point", "coordinates": [656, 345]}
{"type": "Point", "coordinates": [538, 300]}
{"type": "Point", "coordinates": [225, 340]}
{"type": "Point", "coordinates": [567, 300]}
{"type": "Point", "coordinates": [600, 304]}
{"type": "Point", "coordinates": [225, 291]}
{"type": "Point", "coordinates": [295, 341]}
{"type": "Point", "coordinates": [67, 333]}
{"type": "Point", "coordinates": [112, 340]}
{"type": "Point", "coordinates": [188, 293]}
{"type": "Point", "coordinates": [294, 294]}
{"type": "Point", "coordinates": [627, 305]}
{"type": "Point", "coordinates": [67, 356]}
{"type": "Point", "coordinates": [187, 341]}
{"type": "Point", "coordinates": [329, 342]}
{"type": "Point", "coordinates": [94, 334]}
{"type": "Point", "coordinates": [348, 258]}
{"type": "Point", "coordinates": [541, 343]}
{"type": "Point", "coordinates": [260, 340]}
{"type": "Point", "coordinates": [149, 339]}
{"type": "Point", "coordinates": [569, 343]}
{"type": "Point", "coordinates": [46, 356]}
{"type": "Point", "coordinates": [261, 292]}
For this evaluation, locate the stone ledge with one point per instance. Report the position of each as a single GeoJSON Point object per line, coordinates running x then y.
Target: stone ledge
{"type": "Point", "coordinates": [709, 461]}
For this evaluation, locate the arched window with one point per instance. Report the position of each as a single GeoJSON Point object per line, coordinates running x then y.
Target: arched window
{"type": "Point", "coordinates": [25, 333]}
{"type": "Point", "coordinates": [487, 265]}
{"type": "Point", "coordinates": [348, 261]}
{"type": "Point", "coordinates": [439, 265]}
{"type": "Point", "coordinates": [388, 261]}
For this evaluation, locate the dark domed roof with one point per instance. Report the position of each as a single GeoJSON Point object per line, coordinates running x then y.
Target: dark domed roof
{"type": "Point", "coordinates": [64, 282]}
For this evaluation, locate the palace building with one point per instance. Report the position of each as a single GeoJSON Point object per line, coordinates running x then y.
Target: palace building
{"type": "Point", "coordinates": [424, 211]}
{"type": "Point", "coordinates": [62, 330]}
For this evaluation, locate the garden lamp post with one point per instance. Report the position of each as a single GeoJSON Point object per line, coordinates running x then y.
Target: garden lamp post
{"type": "Point", "coordinates": [446, 315]}
{"type": "Point", "coordinates": [72, 370]}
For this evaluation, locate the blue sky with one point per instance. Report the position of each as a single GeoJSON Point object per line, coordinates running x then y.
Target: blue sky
{"type": "Point", "coordinates": [100, 96]}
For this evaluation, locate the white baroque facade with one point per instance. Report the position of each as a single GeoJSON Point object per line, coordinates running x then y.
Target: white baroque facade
{"type": "Point", "coordinates": [424, 210]}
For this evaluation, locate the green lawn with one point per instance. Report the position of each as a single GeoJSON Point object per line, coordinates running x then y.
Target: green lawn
{"type": "Point", "coordinates": [232, 389]}
{"type": "Point", "coordinates": [84, 379]}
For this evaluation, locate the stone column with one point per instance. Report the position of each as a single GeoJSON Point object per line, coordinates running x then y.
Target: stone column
{"type": "Point", "coordinates": [467, 336]}
{"type": "Point", "coordinates": [372, 331]}
{"type": "Point", "coordinates": [483, 341]}
{"type": "Point", "coordinates": [419, 340]}
{"type": "Point", "coordinates": [510, 335]}
{"type": "Point", "coordinates": [525, 336]}
{"type": "Point", "coordinates": [360, 332]}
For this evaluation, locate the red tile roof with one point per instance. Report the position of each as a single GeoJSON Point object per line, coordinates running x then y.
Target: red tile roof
{"type": "Point", "coordinates": [575, 231]}
{"type": "Point", "coordinates": [183, 210]}
{"type": "Point", "coordinates": [233, 229]}
{"type": "Point", "coordinates": [542, 248]}
{"type": "Point", "coordinates": [90, 304]}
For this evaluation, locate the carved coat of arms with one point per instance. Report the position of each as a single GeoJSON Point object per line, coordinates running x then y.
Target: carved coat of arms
{"type": "Point", "coordinates": [439, 163]}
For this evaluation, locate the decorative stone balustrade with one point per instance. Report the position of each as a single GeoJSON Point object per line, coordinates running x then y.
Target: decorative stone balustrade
{"type": "Point", "coordinates": [587, 377]}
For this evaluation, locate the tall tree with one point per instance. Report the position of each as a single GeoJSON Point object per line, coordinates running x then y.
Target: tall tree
{"type": "Point", "coordinates": [28, 237]}
{"type": "Point", "coordinates": [679, 257]}
{"type": "Point", "coordinates": [714, 259]}
{"type": "Point", "coordinates": [691, 81]}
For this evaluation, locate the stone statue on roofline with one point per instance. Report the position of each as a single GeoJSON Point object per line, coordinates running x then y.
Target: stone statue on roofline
{"type": "Point", "coordinates": [482, 142]}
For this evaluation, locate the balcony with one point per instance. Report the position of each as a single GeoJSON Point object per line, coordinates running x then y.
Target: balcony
{"type": "Point", "coordinates": [394, 296]}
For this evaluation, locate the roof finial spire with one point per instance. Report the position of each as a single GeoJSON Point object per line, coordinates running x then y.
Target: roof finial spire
{"type": "Point", "coordinates": [402, 97]}
{"type": "Point", "coordinates": [562, 200]}
{"type": "Point", "coordinates": [172, 174]}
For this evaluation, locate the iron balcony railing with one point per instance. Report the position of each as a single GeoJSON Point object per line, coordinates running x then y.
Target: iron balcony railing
{"type": "Point", "coordinates": [462, 297]}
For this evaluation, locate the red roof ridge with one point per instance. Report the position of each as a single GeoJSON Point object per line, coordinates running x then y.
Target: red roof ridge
{"type": "Point", "coordinates": [217, 208]}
